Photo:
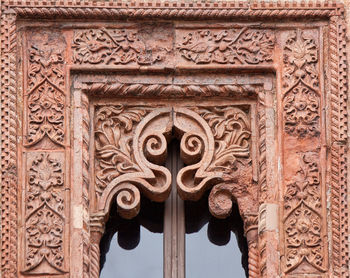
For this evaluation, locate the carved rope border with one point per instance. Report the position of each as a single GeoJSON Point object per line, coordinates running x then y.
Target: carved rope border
{"type": "Point", "coordinates": [13, 10]}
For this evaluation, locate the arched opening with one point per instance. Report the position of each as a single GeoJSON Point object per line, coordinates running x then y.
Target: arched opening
{"type": "Point", "coordinates": [214, 245]}
{"type": "Point", "coordinates": [134, 248]}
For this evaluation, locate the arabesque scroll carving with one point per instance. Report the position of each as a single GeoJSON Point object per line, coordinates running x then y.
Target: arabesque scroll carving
{"type": "Point", "coordinates": [234, 46]}
{"type": "Point", "coordinates": [113, 47]}
{"type": "Point", "coordinates": [46, 99]}
{"type": "Point", "coordinates": [44, 228]}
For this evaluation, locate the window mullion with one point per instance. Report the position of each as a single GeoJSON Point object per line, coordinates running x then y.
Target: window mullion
{"type": "Point", "coordinates": [174, 224]}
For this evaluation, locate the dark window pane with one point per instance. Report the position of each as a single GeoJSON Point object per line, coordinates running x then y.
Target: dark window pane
{"type": "Point", "coordinates": [134, 248]}
{"type": "Point", "coordinates": [214, 247]}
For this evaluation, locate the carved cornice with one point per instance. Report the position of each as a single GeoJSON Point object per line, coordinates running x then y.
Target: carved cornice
{"type": "Point", "coordinates": [177, 10]}
{"type": "Point", "coordinates": [169, 90]}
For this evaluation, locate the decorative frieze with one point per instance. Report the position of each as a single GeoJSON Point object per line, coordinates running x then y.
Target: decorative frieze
{"type": "Point", "coordinates": [119, 46]}
{"type": "Point", "coordinates": [229, 46]}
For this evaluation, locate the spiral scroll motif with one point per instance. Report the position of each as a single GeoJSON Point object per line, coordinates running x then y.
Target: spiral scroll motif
{"type": "Point", "coordinates": [128, 200]}
{"type": "Point", "coordinates": [192, 147]}
{"type": "Point", "coordinates": [155, 147]}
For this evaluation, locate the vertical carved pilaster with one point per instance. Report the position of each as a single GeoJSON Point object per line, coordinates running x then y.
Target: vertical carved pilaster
{"type": "Point", "coordinates": [97, 227]}
{"type": "Point", "coordinates": [251, 233]}
{"type": "Point", "coordinates": [9, 120]}
{"type": "Point", "coordinates": [304, 247]}
{"type": "Point", "coordinates": [45, 183]}
{"type": "Point", "coordinates": [338, 115]}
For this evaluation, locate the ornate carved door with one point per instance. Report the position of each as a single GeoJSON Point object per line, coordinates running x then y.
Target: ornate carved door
{"type": "Point", "coordinates": [93, 91]}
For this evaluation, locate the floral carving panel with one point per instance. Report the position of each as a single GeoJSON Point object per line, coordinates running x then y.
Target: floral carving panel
{"type": "Point", "coordinates": [45, 91]}
{"type": "Point", "coordinates": [231, 46]}
{"type": "Point", "coordinates": [45, 216]}
{"type": "Point", "coordinates": [121, 46]}
{"type": "Point", "coordinates": [303, 221]}
{"type": "Point", "coordinates": [303, 215]}
{"type": "Point", "coordinates": [301, 99]}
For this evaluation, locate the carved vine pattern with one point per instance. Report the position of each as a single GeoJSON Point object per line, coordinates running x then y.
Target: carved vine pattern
{"type": "Point", "coordinates": [44, 226]}
{"type": "Point", "coordinates": [45, 97]}
{"type": "Point", "coordinates": [114, 47]}
{"type": "Point", "coordinates": [302, 204]}
{"type": "Point", "coordinates": [301, 98]}
{"type": "Point", "coordinates": [234, 46]}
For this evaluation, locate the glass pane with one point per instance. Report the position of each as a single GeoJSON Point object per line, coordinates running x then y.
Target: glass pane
{"type": "Point", "coordinates": [214, 247]}
{"type": "Point", "coordinates": [134, 248]}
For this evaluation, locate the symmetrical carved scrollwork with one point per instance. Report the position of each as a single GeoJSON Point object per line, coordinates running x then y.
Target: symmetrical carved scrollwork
{"type": "Point", "coordinates": [301, 98]}
{"type": "Point", "coordinates": [302, 205]}
{"type": "Point", "coordinates": [45, 96]}
{"type": "Point", "coordinates": [131, 140]}
{"type": "Point", "coordinates": [113, 47]}
{"type": "Point", "coordinates": [44, 228]}
{"type": "Point", "coordinates": [234, 46]}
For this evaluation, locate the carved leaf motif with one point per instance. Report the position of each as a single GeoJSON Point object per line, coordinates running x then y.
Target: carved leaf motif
{"type": "Point", "coordinates": [300, 60]}
{"type": "Point", "coordinates": [231, 130]}
{"type": "Point", "coordinates": [113, 46]}
{"type": "Point", "coordinates": [235, 46]}
{"type": "Point", "coordinates": [45, 217]}
{"type": "Point", "coordinates": [113, 138]}
{"type": "Point", "coordinates": [303, 216]}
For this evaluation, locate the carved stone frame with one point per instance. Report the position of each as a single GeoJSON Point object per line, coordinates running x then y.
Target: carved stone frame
{"type": "Point", "coordinates": [82, 229]}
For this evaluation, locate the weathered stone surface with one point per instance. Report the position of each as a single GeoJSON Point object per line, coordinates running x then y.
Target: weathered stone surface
{"type": "Point", "coordinates": [256, 93]}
